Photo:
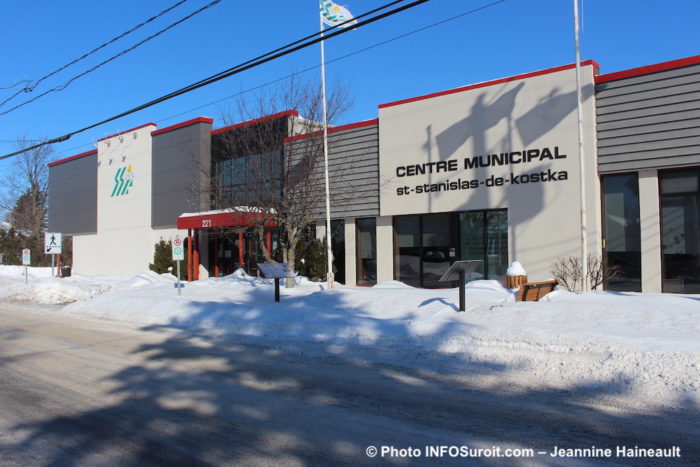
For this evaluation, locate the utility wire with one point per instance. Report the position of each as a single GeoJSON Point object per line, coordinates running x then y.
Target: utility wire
{"type": "Point", "coordinates": [32, 85]}
{"type": "Point", "coordinates": [112, 58]}
{"type": "Point", "coordinates": [315, 67]}
{"type": "Point", "coordinates": [342, 57]}
{"type": "Point", "coordinates": [286, 50]}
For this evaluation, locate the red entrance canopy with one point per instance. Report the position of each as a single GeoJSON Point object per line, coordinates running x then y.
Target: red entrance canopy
{"type": "Point", "coordinates": [225, 218]}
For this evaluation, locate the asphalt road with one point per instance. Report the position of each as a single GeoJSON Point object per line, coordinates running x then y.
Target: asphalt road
{"type": "Point", "coordinates": [79, 392]}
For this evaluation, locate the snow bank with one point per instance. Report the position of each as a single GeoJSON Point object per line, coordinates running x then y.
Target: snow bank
{"type": "Point", "coordinates": [645, 346]}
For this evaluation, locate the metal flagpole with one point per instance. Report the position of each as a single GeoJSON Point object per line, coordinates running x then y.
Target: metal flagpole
{"type": "Point", "coordinates": [325, 161]}
{"type": "Point", "coordinates": [579, 102]}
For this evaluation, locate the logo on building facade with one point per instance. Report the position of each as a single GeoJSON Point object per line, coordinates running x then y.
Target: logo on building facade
{"type": "Point", "coordinates": [123, 180]}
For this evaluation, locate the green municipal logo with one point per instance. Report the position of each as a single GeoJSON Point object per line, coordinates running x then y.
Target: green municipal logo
{"type": "Point", "coordinates": [123, 180]}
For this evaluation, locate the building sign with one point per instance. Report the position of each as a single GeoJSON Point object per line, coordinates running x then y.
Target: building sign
{"type": "Point", "coordinates": [461, 171]}
{"type": "Point", "coordinates": [123, 180]}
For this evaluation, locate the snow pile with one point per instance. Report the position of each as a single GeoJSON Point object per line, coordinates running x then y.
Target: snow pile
{"type": "Point", "coordinates": [148, 278]}
{"type": "Point", "coordinates": [51, 291]}
{"type": "Point", "coordinates": [516, 269]}
{"type": "Point", "coordinates": [18, 271]}
{"type": "Point", "coordinates": [41, 287]}
{"type": "Point", "coordinates": [641, 346]}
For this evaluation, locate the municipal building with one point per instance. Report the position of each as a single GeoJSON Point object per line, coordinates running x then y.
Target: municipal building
{"type": "Point", "coordinates": [489, 171]}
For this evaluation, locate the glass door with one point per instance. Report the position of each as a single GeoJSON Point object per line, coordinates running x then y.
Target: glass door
{"type": "Point", "coordinates": [436, 257]}
{"type": "Point", "coordinates": [680, 227]}
{"type": "Point", "coordinates": [484, 236]}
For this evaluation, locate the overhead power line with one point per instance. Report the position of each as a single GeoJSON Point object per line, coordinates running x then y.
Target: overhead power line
{"type": "Point", "coordinates": [112, 58]}
{"type": "Point", "coordinates": [32, 85]}
{"type": "Point", "coordinates": [337, 59]}
{"type": "Point", "coordinates": [269, 56]}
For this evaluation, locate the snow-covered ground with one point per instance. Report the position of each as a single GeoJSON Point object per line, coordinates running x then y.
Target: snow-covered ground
{"type": "Point", "coordinates": [641, 348]}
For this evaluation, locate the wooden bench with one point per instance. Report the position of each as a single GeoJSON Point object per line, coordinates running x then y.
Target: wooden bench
{"type": "Point", "coordinates": [533, 291]}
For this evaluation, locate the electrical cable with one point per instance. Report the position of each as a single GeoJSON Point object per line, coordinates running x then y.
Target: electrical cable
{"type": "Point", "coordinates": [311, 68]}
{"type": "Point", "coordinates": [283, 51]}
{"type": "Point", "coordinates": [114, 57]}
{"type": "Point", "coordinates": [32, 85]}
{"type": "Point", "coordinates": [342, 57]}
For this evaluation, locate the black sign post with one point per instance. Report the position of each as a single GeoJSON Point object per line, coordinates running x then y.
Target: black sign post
{"type": "Point", "coordinates": [276, 271]}
{"type": "Point", "coordinates": [459, 271]}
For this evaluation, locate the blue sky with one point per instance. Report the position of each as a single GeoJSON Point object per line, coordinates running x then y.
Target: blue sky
{"type": "Point", "coordinates": [508, 38]}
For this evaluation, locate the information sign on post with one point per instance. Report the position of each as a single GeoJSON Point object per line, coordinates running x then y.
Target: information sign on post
{"type": "Point", "coordinates": [52, 246]}
{"type": "Point", "coordinates": [276, 271]}
{"type": "Point", "coordinates": [459, 271]}
{"type": "Point", "coordinates": [26, 261]}
{"type": "Point", "coordinates": [178, 255]}
{"type": "Point", "coordinates": [52, 243]}
{"type": "Point", "coordinates": [178, 250]}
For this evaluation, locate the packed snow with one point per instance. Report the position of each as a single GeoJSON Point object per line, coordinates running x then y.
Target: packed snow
{"type": "Point", "coordinates": [644, 348]}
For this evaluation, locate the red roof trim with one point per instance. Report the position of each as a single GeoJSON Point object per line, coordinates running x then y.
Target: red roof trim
{"type": "Point", "coordinates": [645, 70]}
{"type": "Point", "coordinates": [334, 129]}
{"type": "Point", "coordinates": [127, 131]}
{"type": "Point", "coordinates": [592, 63]}
{"type": "Point", "coordinates": [286, 113]}
{"type": "Point", "coordinates": [72, 158]}
{"type": "Point", "coordinates": [182, 125]}
{"type": "Point", "coordinates": [223, 219]}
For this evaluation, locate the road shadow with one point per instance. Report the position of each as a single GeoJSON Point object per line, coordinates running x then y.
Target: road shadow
{"type": "Point", "coordinates": [197, 397]}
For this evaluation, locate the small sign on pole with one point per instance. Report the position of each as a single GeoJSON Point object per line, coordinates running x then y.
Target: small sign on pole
{"type": "Point", "coordinates": [52, 246]}
{"type": "Point", "coordinates": [26, 261]}
{"type": "Point", "coordinates": [178, 255]}
{"type": "Point", "coordinates": [52, 243]}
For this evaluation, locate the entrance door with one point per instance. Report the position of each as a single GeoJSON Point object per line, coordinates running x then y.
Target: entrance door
{"type": "Point", "coordinates": [484, 236]}
{"type": "Point", "coordinates": [437, 252]}
{"type": "Point", "coordinates": [680, 228]}
{"type": "Point", "coordinates": [338, 249]}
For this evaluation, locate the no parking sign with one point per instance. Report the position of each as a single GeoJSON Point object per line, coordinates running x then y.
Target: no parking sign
{"type": "Point", "coordinates": [178, 250]}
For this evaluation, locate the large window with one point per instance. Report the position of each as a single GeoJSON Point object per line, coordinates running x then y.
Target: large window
{"type": "Point", "coordinates": [248, 179]}
{"type": "Point", "coordinates": [426, 245]}
{"type": "Point", "coordinates": [622, 231]}
{"type": "Point", "coordinates": [407, 249]}
{"type": "Point", "coordinates": [366, 237]}
{"type": "Point", "coordinates": [680, 230]}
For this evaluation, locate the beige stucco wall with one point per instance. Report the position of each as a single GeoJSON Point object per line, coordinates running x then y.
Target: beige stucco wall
{"type": "Point", "coordinates": [536, 115]}
{"type": "Point", "coordinates": [385, 249]}
{"type": "Point", "coordinates": [124, 241]}
{"type": "Point", "coordinates": [650, 230]}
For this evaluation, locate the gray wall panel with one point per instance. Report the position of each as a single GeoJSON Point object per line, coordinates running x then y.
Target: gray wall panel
{"type": "Point", "coordinates": [73, 196]}
{"type": "Point", "coordinates": [651, 128]}
{"type": "Point", "coordinates": [353, 160]}
{"type": "Point", "coordinates": [649, 121]}
{"type": "Point", "coordinates": [181, 158]}
{"type": "Point", "coordinates": [648, 80]}
{"type": "Point", "coordinates": [656, 89]}
{"type": "Point", "coordinates": [650, 163]}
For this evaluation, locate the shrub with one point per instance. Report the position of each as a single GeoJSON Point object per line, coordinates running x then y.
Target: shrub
{"type": "Point", "coordinates": [163, 259]}
{"type": "Point", "coordinates": [569, 273]}
{"type": "Point", "coordinates": [311, 258]}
